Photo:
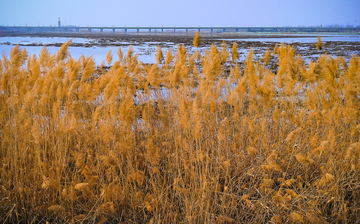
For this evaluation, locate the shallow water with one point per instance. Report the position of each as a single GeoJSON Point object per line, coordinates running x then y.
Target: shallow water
{"type": "Point", "coordinates": [146, 54]}
{"type": "Point", "coordinates": [41, 40]}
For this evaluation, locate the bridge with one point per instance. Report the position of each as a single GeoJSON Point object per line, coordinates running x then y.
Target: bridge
{"type": "Point", "coordinates": [161, 29]}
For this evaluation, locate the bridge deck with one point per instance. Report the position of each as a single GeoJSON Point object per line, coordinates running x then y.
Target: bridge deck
{"type": "Point", "coordinates": [162, 28]}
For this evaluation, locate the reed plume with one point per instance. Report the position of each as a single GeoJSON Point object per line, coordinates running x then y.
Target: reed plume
{"type": "Point", "coordinates": [194, 139]}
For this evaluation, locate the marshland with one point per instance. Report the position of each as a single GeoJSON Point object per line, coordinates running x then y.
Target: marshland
{"type": "Point", "coordinates": [145, 45]}
{"type": "Point", "coordinates": [230, 131]}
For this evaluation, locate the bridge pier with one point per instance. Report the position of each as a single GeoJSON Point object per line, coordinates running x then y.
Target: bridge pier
{"type": "Point", "coordinates": [162, 30]}
{"type": "Point", "coordinates": [89, 29]}
{"type": "Point", "coordinates": [101, 30]}
{"type": "Point", "coordinates": [77, 30]}
{"type": "Point", "coordinates": [224, 30]}
{"type": "Point", "coordinates": [149, 30]}
{"type": "Point", "coordinates": [199, 30]}
{"type": "Point", "coordinates": [113, 30]}
{"type": "Point", "coordinates": [137, 30]}
{"type": "Point", "coordinates": [236, 30]}
{"type": "Point", "coordinates": [125, 30]}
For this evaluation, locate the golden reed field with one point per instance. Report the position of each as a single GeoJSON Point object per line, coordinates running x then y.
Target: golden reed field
{"type": "Point", "coordinates": [179, 141]}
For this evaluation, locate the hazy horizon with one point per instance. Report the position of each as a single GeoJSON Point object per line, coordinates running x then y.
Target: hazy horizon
{"type": "Point", "coordinates": [180, 13]}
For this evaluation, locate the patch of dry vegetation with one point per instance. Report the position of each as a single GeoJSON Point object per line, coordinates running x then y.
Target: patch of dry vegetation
{"type": "Point", "coordinates": [179, 141]}
{"type": "Point", "coordinates": [319, 44]}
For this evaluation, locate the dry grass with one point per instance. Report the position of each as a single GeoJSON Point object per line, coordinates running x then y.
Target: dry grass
{"type": "Point", "coordinates": [179, 141]}
{"type": "Point", "coordinates": [319, 44]}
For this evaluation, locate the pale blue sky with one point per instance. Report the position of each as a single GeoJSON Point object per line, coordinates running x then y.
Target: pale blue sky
{"type": "Point", "coordinates": [180, 12]}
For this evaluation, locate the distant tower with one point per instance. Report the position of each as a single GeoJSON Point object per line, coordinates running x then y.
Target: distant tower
{"type": "Point", "coordinates": [59, 22]}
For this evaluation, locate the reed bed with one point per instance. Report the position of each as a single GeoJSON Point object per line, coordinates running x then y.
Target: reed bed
{"type": "Point", "coordinates": [179, 141]}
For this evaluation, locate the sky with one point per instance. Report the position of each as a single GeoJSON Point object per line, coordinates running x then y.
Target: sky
{"type": "Point", "coordinates": [240, 13]}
